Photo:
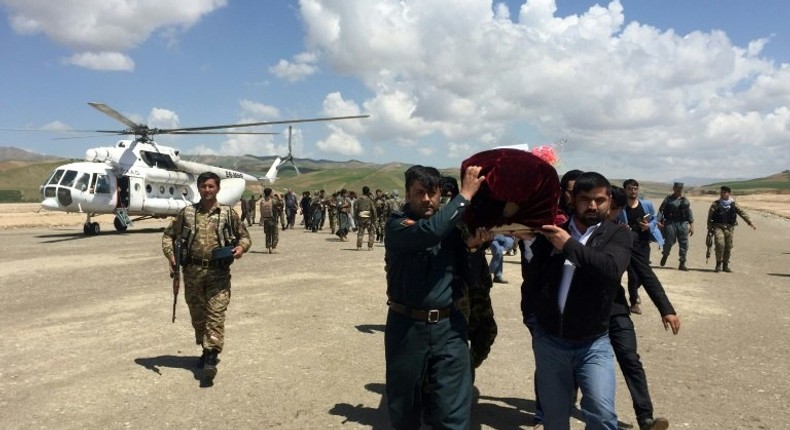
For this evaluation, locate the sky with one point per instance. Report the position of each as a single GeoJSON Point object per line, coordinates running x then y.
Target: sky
{"type": "Point", "coordinates": [654, 90]}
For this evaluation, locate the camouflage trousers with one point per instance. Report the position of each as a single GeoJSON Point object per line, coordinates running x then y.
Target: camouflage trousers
{"type": "Point", "coordinates": [332, 213]}
{"type": "Point", "coordinates": [271, 232]}
{"type": "Point", "coordinates": [723, 240]}
{"type": "Point", "coordinates": [207, 293]}
{"type": "Point", "coordinates": [380, 223]}
{"type": "Point", "coordinates": [365, 224]}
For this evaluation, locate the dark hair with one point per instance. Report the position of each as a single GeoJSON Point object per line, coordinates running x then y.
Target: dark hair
{"type": "Point", "coordinates": [726, 188]}
{"type": "Point", "coordinates": [619, 199]}
{"type": "Point", "coordinates": [629, 182]}
{"type": "Point", "coordinates": [366, 190]}
{"type": "Point", "coordinates": [205, 176]}
{"type": "Point", "coordinates": [570, 175]}
{"type": "Point", "coordinates": [267, 192]}
{"type": "Point", "coordinates": [428, 177]}
{"type": "Point", "coordinates": [449, 185]}
{"type": "Point", "coordinates": [590, 180]}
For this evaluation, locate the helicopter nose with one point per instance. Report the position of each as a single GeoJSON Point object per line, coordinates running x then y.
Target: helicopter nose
{"type": "Point", "coordinates": [50, 203]}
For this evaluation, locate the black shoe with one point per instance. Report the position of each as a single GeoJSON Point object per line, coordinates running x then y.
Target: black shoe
{"type": "Point", "coordinates": [654, 424]}
{"type": "Point", "coordinates": [210, 367]}
{"type": "Point", "coordinates": [718, 267]}
{"type": "Point", "coordinates": [202, 359]}
{"type": "Point", "coordinates": [499, 280]}
{"type": "Point", "coordinates": [683, 266]}
{"type": "Point", "coordinates": [726, 268]}
{"type": "Point", "coordinates": [664, 259]}
{"type": "Point", "coordinates": [635, 309]}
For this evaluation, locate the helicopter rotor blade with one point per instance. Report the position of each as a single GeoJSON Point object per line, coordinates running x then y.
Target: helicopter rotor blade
{"type": "Point", "coordinates": [253, 124]}
{"type": "Point", "coordinates": [221, 132]}
{"type": "Point", "coordinates": [103, 108]}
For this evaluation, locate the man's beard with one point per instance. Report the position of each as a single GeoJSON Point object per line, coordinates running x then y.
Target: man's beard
{"type": "Point", "coordinates": [591, 218]}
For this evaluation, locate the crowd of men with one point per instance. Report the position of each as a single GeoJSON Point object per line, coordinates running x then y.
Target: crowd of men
{"type": "Point", "coordinates": [440, 324]}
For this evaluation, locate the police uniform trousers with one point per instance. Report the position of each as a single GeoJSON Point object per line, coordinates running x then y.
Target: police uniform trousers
{"type": "Point", "coordinates": [723, 241]}
{"type": "Point", "coordinates": [365, 225]}
{"type": "Point", "coordinates": [623, 338]}
{"type": "Point", "coordinates": [418, 351]}
{"type": "Point", "coordinates": [271, 232]}
{"type": "Point", "coordinates": [677, 231]}
{"type": "Point", "coordinates": [207, 293]}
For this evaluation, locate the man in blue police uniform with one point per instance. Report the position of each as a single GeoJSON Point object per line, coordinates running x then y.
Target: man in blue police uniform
{"type": "Point", "coordinates": [426, 335]}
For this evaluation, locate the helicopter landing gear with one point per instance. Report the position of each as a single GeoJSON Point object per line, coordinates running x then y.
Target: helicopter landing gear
{"type": "Point", "coordinates": [90, 228]}
{"type": "Point", "coordinates": [119, 225]}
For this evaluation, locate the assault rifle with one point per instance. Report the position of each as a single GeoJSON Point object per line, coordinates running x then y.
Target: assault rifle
{"type": "Point", "coordinates": [176, 274]}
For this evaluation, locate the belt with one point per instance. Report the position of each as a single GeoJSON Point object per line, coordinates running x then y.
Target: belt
{"type": "Point", "coordinates": [206, 263]}
{"type": "Point", "coordinates": [431, 316]}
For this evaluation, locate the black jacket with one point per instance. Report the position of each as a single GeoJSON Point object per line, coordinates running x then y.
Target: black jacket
{"type": "Point", "coordinates": [599, 266]}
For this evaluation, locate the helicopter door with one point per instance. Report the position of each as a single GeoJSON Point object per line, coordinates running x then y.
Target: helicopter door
{"type": "Point", "coordinates": [135, 193]}
{"type": "Point", "coordinates": [123, 192]}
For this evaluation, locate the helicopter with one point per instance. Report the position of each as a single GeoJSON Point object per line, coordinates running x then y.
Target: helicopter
{"type": "Point", "coordinates": [142, 179]}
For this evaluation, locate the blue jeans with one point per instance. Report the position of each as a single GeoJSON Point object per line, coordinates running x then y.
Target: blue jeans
{"type": "Point", "coordinates": [499, 246]}
{"type": "Point", "coordinates": [590, 364]}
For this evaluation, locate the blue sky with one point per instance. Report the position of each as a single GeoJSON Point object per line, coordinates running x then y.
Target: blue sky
{"type": "Point", "coordinates": [648, 89]}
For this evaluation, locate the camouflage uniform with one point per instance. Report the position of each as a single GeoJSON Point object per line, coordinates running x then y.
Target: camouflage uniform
{"type": "Point", "coordinates": [269, 220]}
{"type": "Point", "coordinates": [206, 281]}
{"type": "Point", "coordinates": [365, 215]}
{"type": "Point", "coordinates": [331, 211]}
{"type": "Point", "coordinates": [722, 219]}
{"type": "Point", "coordinates": [382, 213]}
{"type": "Point", "coordinates": [279, 207]}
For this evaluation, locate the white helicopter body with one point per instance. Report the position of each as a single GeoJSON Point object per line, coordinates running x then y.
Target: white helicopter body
{"type": "Point", "coordinates": [140, 178]}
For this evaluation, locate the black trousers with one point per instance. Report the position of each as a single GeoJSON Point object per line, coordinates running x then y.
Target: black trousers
{"type": "Point", "coordinates": [634, 281]}
{"type": "Point", "coordinates": [623, 338]}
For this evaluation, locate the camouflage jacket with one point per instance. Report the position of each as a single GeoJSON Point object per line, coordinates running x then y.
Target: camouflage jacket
{"type": "Point", "coordinates": [205, 230]}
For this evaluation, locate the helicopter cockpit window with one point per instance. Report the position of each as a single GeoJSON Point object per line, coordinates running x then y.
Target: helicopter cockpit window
{"type": "Point", "coordinates": [103, 184]}
{"type": "Point", "coordinates": [56, 177]}
{"type": "Point", "coordinates": [82, 182]}
{"type": "Point", "coordinates": [155, 159]}
{"type": "Point", "coordinates": [68, 178]}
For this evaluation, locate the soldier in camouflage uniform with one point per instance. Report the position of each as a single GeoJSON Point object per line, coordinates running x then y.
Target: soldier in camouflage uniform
{"type": "Point", "coordinates": [722, 219]}
{"type": "Point", "coordinates": [381, 215]}
{"type": "Point", "coordinates": [366, 216]}
{"type": "Point", "coordinates": [206, 229]}
{"type": "Point", "coordinates": [269, 220]}
{"type": "Point", "coordinates": [279, 208]}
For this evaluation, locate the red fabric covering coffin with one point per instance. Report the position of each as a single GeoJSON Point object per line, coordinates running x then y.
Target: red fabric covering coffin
{"type": "Point", "coordinates": [516, 176]}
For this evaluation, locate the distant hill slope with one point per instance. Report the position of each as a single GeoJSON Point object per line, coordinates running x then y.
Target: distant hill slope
{"type": "Point", "coordinates": [10, 153]}
{"type": "Point", "coordinates": [776, 183]}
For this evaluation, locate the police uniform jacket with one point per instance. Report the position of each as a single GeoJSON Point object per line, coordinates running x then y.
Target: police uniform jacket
{"type": "Point", "coordinates": [599, 266]}
{"type": "Point", "coordinates": [423, 255]}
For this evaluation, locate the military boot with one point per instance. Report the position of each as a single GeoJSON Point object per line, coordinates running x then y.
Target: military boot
{"type": "Point", "coordinates": [718, 267]}
{"type": "Point", "coordinates": [202, 359]}
{"type": "Point", "coordinates": [210, 366]}
{"type": "Point", "coordinates": [683, 266]}
{"type": "Point", "coordinates": [726, 267]}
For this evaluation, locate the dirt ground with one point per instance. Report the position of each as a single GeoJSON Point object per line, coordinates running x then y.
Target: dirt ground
{"type": "Point", "coordinates": [88, 341]}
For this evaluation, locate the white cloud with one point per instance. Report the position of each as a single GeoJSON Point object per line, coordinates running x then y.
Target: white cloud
{"type": "Point", "coordinates": [110, 61]}
{"type": "Point", "coordinates": [162, 118]}
{"type": "Point", "coordinates": [100, 31]}
{"type": "Point", "coordinates": [57, 126]}
{"type": "Point", "coordinates": [627, 95]}
{"type": "Point", "coordinates": [302, 66]}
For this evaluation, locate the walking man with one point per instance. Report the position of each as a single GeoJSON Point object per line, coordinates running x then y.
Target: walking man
{"type": "Point", "coordinates": [212, 237]}
{"type": "Point", "coordinates": [569, 286]}
{"type": "Point", "coordinates": [269, 220]}
{"type": "Point", "coordinates": [677, 221]}
{"type": "Point", "coordinates": [365, 213]}
{"type": "Point", "coordinates": [722, 219]}
{"type": "Point", "coordinates": [426, 335]}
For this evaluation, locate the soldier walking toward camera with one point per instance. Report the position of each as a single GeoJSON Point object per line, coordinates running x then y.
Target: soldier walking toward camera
{"type": "Point", "coordinates": [212, 236]}
{"type": "Point", "coordinates": [365, 214]}
{"type": "Point", "coordinates": [677, 221]}
{"type": "Point", "coordinates": [722, 219]}
{"type": "Point", "coordinates": [269, 219]}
